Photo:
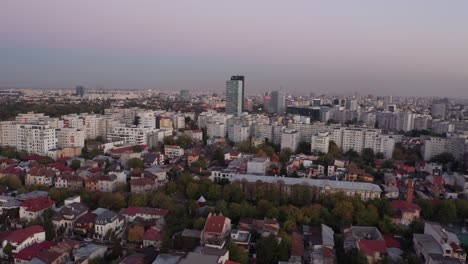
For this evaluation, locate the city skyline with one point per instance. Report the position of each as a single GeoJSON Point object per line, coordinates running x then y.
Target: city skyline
{"type": "Point", "coordinates": [400, 48]}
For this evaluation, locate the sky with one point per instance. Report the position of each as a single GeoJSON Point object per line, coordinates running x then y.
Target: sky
{"type": "Point", "coordinates": [399, 47]}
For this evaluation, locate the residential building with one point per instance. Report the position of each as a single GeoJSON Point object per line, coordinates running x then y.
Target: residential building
{"type": "Point", "coordinates": [173, 151]}
{"type": "Point", "coordinates": [289, 139]}
{"type": "Point", "coordinates": [320, 142]}
{"type": "Point", "coordinates": [23, 238]}
{"type": "Point", "coordinates": [70, 137]}
{"type": "Point", "coordinates": [107, 222]}
{"type": "Point", "coordinates": [217, 229]}
{"type": "Point", "coordinates": [258, 165]}
{"type": "Point", "coordinates": [32, 209]}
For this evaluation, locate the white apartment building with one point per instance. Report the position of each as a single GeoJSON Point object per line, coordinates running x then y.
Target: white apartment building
{"type": "Point", "coordinates": [178, 121]}
{"type": "Point", "coordinates": [216, 129]}
{"type": "Point", "coordinates": [320, 142]}
{"type": "Point", "coordinates": [433, 146]}
{"type": "Point", "coordinates": [107, 222]}
{"type": "Point", "coordinates": [289, 139]}
{"type": "Point", "coordinates": [70, 137]}
{"type": "Point", "coordinates": [238, 133]}
{"type": "Point", "coordinates": [274, 133]}
{"type": "Point", "coordinates": [7, 133]}
{"type": "Point", "coordinates": [35, 138]}
{"type": "Point", "coordinates": [173, 151]}
{"type": "Point", "coordinates": [131, 134]}
{"type": "Point", "coordinates": [146, 119]}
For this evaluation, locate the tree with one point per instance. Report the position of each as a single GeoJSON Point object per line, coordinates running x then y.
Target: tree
{"type": "Point", "coordinates": [333, 149]}
{"type": "Point", "coordinates": [267, 250]}
{"type": "Point", "coordinates": [214, 192]}
{"type": "Point", "coordinates": [114, 201]}
{"type": "Point", "coordinates": [237, 253]}
{"type": "Point", "coordinates": [368, 156]}
{"type": "Point", "coordinates": [344, 210]}
{"type": "Point", "coordinates": [193, 191]}
{"type": "Point", "coordinates": [199, 223]}
{"type": "Point", "coordinates": [8, 249]}
{"type": "Point", "coordinates": [135, 233]}
{"type": "Point", "coordinates": [134, 163]}
{"type": "Point", "coordinates": [285, 154]}
{"type": "Point", "coordinates": [218, 155]}
{"type": "Point", "coordinates": [75, 164]}
{"type": "Point", "coordinates": [443, 158]}
{"type": "Point", "coordinates": [138, 199]}
{"type": "Point", "coordinates": [9, 152]}
{"type": "Point", "coordinates": [184, 141]}
{"type": "Point", "coordinates": [303, 147]}
{"type": "Point", "coordinates": [11, 181]}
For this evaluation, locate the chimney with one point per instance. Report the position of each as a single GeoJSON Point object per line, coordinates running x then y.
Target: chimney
{"type": "Point", "coordinates": [409, 191]}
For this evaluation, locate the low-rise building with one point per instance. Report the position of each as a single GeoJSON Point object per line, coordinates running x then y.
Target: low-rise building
{"type": "Point", "coordinates": [173, 151]}
{"type": "Point", "coordinates": [216, 230]}
{"type": "Point", "coordinates": [34, 208]}
{"type": "Point", "coordinates": [22, 238]}
{"type": "Point", "coordinates": [107, 223]}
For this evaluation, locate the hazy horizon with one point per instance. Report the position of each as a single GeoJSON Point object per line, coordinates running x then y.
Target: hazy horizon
{"type": "Point", "coordinates": [406, 48]}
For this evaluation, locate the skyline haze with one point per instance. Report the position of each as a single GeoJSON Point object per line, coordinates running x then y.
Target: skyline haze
{"type": "Point", "coordinates": [398, 47]}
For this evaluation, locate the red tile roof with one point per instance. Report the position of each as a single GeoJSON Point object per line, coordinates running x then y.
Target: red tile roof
{"type": "Point", "coordinates": [391, 241]}
{"type": "Point", "coordinates": [215, 224]}
{"type": "Point", "coordinates": [37, 204]}
{"type": "Point", "coordinates": [404, 206]}
{"type": "Point", "coordinates": [19, 236]}
{"type": "Point", "coordinates": [297, 245]}
{"type": "Point", "coordinates": [34, 250]}
{"type": "Point", "coordinates": [141, 182]}
{"type": "Point", "coordinates": [11, 170]}
{"type": "Point", "coordinates": [370, 247]}
{"type": "Point", "coordinates": [153, 234]}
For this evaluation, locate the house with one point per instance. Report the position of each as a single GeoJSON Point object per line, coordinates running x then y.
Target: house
{"type": "Point", "coordinates": [265, 227]}
{"type": "Point", "coordinates": [22, 238]}
{"type": "Point", "coordinates": [152, 237]}
{"type": "Point", "coordinates": [320, 244]}
{"type": "Point", "coordinates": [232, 155]}
{"type": "Point", "coordinates": [297, 248]}
{"type": "Point", "coordinates": [12, 170]}
{"type": "Point", "coordinates": [427, 247]}
{"type": "Point", "coordinates": [241, 238]}
{"type": "Point", "coordinates": [107, 223]}
{"type": "Point", "coordinates": [40, 176]}
{"type": "Point", "coordinates": [88, 252]}
{"type": "Point", "coordinates": [153, 159]}
{"type": "Point", "coordinates": [217, 228]}
{"type": "Point", "coordinates": [67, 215]}
{"type": "Point", "coordinates": [84, 224]}
{"type": "Point", "coordinates": [447, 240]}
{"type": "Point", "coordinates": [30, 252]}
{"type": "Point", "coordinates": [92, 183]}
{"type": "Point", "coordinates": [173, 151]}
{"type": "Point", "coordinates": [69, 180]}
{"type": "Point", "coordinates": [354, 174]}
{"type": "Point", "coordinates": [374, 250]}
{"type": "Point", "coordinates": [437, 185]}
{"type": "Point", "coordinates": [167, 259]}
{"type": "Point", "coordinates": [145, 213]}
{"type": "Point", "coordinates": [33, 208]}
{"type": "Point", "coordinates": [221, 253]}
{"type": "Point", "coordinates": [354, 234]}
{"type": "Point", "coordinates": [404, 212]}
{"type": "Point", "coordinates": [193, 257]}
{"type": "Point", "coordinates": [142, 185]}
{"type": "Point", "coordinates": [108, 183]}
{"type": "Point", "coordinates": [158, 174]}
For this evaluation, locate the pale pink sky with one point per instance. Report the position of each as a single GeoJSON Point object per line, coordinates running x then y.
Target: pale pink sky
{"type": "Point", "coordinates": [405, 47]}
